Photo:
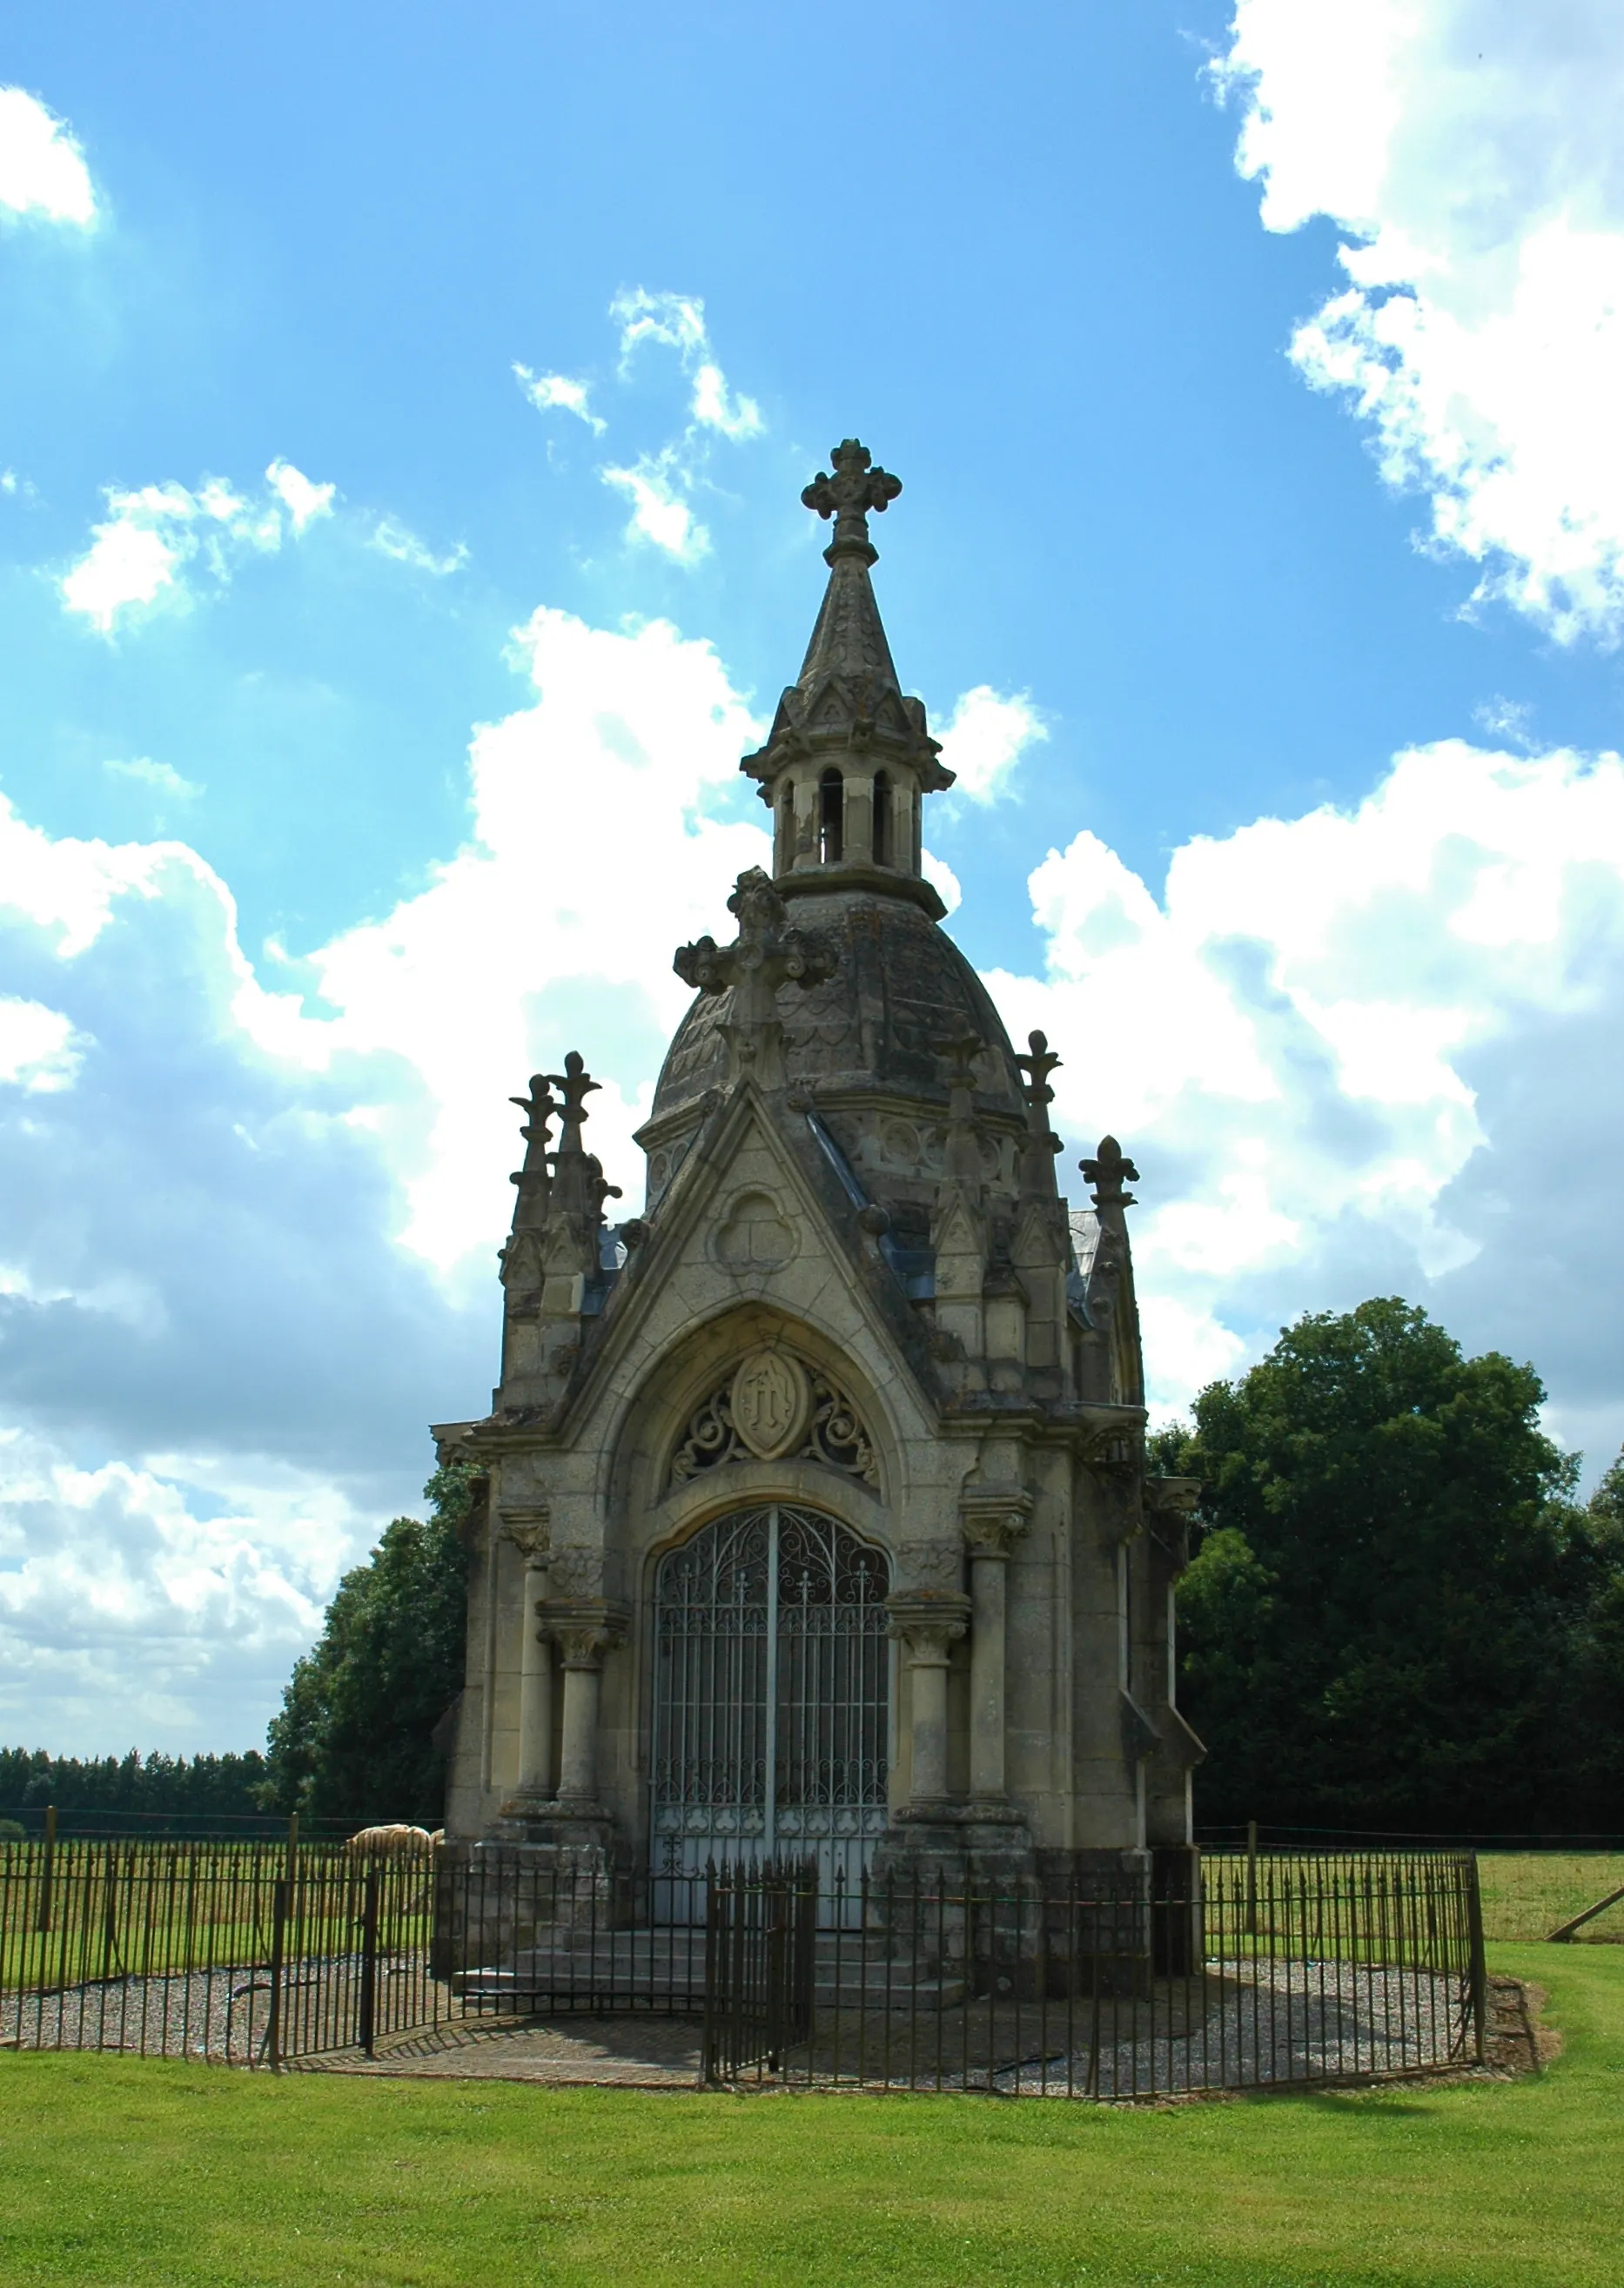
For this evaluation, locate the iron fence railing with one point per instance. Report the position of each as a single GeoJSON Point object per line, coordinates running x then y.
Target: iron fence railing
{"type": "Point", "coordinates": [1197, 1971]}
{"type": "Point", "coordinates": [1209, 1973]}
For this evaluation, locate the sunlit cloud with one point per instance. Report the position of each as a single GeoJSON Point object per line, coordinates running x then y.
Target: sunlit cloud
{"type": "Point", "coordinates": [41, 167]}
{"type": "Point", "coordinates": [1469, 152]}
{"type": "Point", "coordinates": [551, 393]}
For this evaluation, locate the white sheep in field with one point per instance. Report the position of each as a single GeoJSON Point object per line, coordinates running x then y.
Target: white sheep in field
{"type": "Point", "coordinates": [395, 1840]}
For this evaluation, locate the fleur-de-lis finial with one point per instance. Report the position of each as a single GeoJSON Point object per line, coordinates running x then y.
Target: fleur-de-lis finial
{"type": "Point", "coordinates": [1107, 1173]}
{"type": "Point", "coordinates": [1038, 1064]}
{"type": "Point", "coordinates": [575, 1083]}
{"type": "Point", "coordinates": [847, 492]}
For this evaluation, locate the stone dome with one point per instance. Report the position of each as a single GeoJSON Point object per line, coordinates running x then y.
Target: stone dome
{"type": "Point", "coordinates": [900, 985]}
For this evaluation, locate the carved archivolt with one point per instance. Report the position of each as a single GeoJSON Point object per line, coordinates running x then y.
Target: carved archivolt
{"type": "Point", "coordinates": [773, 1406]}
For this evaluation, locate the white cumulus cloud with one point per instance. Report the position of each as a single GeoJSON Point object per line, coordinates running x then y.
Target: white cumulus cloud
{"type": "Point", "coordinates": [163, 778]}
{"type": "Point", "coordinates": [551, 393]}
{"type": "Point", "coordinates": [41, 167]}
{"type": "Point", "coordinates": [152, 538]}
{"type": "Point", "coordinates": [656, 486]}
{"type": "Point", "coordinates": [985, 737]}
{"type": "Point", "coordinates": [1320, 1043]}
{"type": "Point", "coordinates": [1468, 150]}
{"type": "Point", "coordinates": [303, 501]}
{"type": "Point", "coordinates": [38, 1052]}
{"type": "Point", "coordinates": [393, 539]}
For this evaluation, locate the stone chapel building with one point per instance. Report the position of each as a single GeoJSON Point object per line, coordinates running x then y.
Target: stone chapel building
{"type": "Point", "coordinates": [818, 1520]}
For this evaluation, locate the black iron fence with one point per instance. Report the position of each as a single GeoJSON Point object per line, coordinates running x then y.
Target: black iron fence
{"type": "Point", "coordinates": [1205, 1971]}
{"type": "Point", "coordinates": [1223, 1973]}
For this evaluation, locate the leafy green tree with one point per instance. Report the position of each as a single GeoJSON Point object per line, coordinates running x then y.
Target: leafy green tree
{"type": "Point", "coordinates": [360, 1733]}
{"type": "Point", "coordinates": [1390, 1583]}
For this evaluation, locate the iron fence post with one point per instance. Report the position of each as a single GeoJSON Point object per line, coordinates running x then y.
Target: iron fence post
{"type": "Point", "coordinates": [367, 2008]}
{"type": "Point", "coordinates": [1479, 1965]}
{"type": "Point", "coordinates": [279, 1933]}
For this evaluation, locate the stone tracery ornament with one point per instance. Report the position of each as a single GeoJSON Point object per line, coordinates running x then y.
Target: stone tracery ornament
{"type": "Point", "coordinates": [756, 1414]}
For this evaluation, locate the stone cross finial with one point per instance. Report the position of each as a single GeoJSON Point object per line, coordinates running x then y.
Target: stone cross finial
{"type": "Point", "coordinates": [576, 1084]}
{"type": "Point", "coordinates": [1106, 1173]}
{"type": "Point", "coordinates": [766, 954]}
{"type": "Point", "coordinates": [848, 493]}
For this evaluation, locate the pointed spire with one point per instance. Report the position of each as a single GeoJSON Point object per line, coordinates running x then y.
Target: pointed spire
{"type": "Point", "coordinates": [847, 697]}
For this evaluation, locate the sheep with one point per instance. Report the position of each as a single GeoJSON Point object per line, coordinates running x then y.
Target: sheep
{"type": "Point", "coordinates": [397, 1838]}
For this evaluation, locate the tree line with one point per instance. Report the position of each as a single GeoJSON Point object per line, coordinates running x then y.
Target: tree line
{"type": "Point", "coordinates": [216, 1786]}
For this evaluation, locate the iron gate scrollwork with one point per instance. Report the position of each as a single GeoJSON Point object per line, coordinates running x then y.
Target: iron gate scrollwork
{"type": "Point", "coordinates": [771, 1694]}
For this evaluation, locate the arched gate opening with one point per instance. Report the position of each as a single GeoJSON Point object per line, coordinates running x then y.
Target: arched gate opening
{"type": "Point", "coordinates": [771, 1694]}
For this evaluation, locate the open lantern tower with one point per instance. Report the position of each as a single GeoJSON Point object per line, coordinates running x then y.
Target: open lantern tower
{"type": "Point", "coordinates": [817, 1518]}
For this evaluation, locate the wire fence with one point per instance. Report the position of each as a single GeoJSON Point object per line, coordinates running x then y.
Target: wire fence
{"type": "Point", "coordinates": [1205, 1971]}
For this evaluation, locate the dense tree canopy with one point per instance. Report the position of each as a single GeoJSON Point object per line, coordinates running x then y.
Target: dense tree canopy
{"type": "Point", "coordinates": [1398, 1617]}
{"type": "Point", "coordinates": [146, 1786]}
{"type": "Point", "coordinates": [361, 1731]}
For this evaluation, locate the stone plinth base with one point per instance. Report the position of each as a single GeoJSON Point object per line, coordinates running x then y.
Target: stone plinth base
{"type": "Point", "coordinates": [943, 1844]}
{"type": "Point", "coordinates": [500, 1901]}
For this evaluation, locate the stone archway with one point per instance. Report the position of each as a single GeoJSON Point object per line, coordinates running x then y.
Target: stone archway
{"type": "Point", "coordinates": [771, 1694]}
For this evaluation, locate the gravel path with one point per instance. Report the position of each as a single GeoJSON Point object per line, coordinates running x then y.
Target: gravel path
{"type": "Point", "coordinates": [1252, 2024]}
{"type": "Point", "coordinates": [1267, 2022]}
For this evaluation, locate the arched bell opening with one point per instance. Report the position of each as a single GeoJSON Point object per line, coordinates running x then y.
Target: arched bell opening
{"type": "Point", "coordinates": [771, 1701]}
{"type": "Point", "coordinates": [831, 818]}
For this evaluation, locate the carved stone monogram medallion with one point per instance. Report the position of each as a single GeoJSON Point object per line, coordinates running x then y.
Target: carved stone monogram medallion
{"type": "Point", "coordinates": [774, 1407]}
{"type": "Point", "coordinates": [770, 1403]}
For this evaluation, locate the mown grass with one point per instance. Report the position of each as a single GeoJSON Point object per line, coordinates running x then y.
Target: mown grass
{"type": "Point", "coordinates": [123, 2172]}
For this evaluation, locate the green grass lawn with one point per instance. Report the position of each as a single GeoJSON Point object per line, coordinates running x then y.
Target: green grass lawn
{"type": "Point", "coordinates": [116, 2171]}
{"type": "Point", "coordinates": [1528, 1894]}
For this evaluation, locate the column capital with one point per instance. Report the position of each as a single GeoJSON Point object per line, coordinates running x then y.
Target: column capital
{"type": "Point", "coordinates": [994, 1518]}
{"type": "Point", "coordinates": [585, 1632]}
{"type": "Point", "coordinates": [929, 1626]}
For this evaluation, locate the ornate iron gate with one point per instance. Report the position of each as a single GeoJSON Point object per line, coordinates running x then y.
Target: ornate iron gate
{"type": "Point", "coordinates": [771, 1696]}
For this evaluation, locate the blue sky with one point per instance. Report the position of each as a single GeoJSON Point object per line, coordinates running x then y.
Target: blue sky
{"type": "Point", "coordinates": [403, 422]}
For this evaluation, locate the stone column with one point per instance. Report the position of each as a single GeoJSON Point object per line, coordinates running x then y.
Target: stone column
{"type": "Point", "coordinates": [527, 1529]}
{"type": "Point", "coordinates": [991, 1529]}
{"type": "Point", "coordinates": [927, 1628]}
{"type": "Point", "coordinates": [583, 1639]}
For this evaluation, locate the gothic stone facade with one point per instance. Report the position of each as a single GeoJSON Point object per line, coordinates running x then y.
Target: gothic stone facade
{"type": "Point", "coordinates": [817, 1516]}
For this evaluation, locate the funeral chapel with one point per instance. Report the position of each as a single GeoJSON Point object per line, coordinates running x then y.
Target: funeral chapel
{"type": "Point", "coordinates": [817, 1519]}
